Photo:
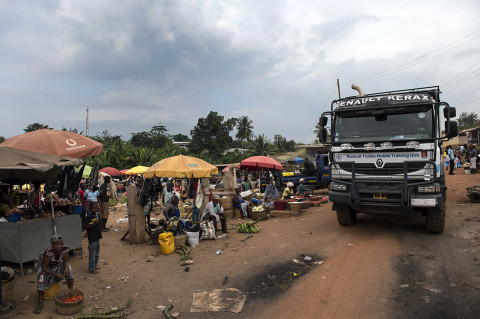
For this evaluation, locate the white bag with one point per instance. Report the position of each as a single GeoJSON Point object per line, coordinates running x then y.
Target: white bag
{"type": "Point", "coordinates": [193, 238]}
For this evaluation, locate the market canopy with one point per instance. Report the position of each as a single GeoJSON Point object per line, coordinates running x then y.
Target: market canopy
{"type": "Point", "coordinates": [136, 170]}
{"type": "Point", "coordinates": [111, 171]}
{"type": "Point", "coordinates": [256, 163]}
{"type": "Point", "coordinates": [30, 166]}
{"type": "Point", "coordinates": [180, 166]}
{"type": "Point", "coordinates": [296, 159]}
{"type": "Point", "coordinates": [124, 171]}
{"type": "Point", "coordinates": [56, 142]}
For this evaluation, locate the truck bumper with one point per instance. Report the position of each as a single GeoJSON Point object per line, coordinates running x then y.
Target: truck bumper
{"type": "Point", "coordinates": [412, 203]}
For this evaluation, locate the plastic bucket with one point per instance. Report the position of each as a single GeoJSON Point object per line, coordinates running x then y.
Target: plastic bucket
{"type": "Point", "coordinates": [467, 171]}
{"type": "Point", "coordinates": [51, 291]}
{"type": "Point", "coordinates": [280, 204]}
{"type": "Point", "coordinates": [77, 209]}
{"type": "Point", "coordinates": [16, 217]}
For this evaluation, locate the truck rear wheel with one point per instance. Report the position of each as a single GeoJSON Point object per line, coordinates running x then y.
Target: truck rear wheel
{"type": "Point", "coordinates": [435, 222]}
{"type": "Point", "coordinates": [346, 216]}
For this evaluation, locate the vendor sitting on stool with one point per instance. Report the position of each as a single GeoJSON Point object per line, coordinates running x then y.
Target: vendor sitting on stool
{"type": "Point", "coordinates": [302, 189]}
{"type": "Point", "coordinates": [171, 210]}
{"type": "Point", "coordinates": [51, 267]}
{"type": "Point", "coordinates": [214, 212]}
{"type": "Point", "coordinates": [288, 191]}
{"type": "Point", "coordinates": [239, 202]}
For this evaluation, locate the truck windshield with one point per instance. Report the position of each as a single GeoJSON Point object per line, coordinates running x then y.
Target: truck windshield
{"type": "Point", "coordinates": [382, 126]}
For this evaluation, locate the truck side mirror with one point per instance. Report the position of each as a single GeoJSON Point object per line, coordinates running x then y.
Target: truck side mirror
{"type": "Point", "coordinates": [324, 121]}
{"type": "Point", "coordinates": [451, 128]}
{"type": "Point", "coordinates": [451, 110]}
{"type": "Point", "coordinates": [323, 138]}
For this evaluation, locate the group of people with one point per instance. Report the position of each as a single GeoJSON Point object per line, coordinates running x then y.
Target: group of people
{"type": "Point", "coordinates": [302, 190]}
{"type": "Point", "coordinates": [465, 154]}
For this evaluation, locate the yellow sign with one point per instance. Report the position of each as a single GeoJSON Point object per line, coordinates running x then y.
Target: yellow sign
{"type": "Point", "coordinates": [380, 196]}
{"type": "Point", "coordinates": [287, 174]}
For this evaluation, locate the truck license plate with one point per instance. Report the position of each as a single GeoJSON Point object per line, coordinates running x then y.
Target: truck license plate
{"type": "Point", "coordinates": [380, 196]}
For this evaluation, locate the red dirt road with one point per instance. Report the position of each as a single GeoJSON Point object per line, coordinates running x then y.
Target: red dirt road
{"type": "Point", "coordinates": [382, 267]}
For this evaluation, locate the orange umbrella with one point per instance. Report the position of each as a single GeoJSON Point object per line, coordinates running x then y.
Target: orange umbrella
{"type": "Point", "coordinates": [56, 142]}
{"type": "Point", "coordinates": [110, 171]}
{"type": "Point", "coordinates": [180, 166]}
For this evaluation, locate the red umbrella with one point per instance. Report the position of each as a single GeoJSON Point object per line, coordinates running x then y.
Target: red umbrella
{"type": "Point", "coordinates": [256, 163]}
{"type": "Point", "coordinates": [111, 171]}
{"type": "Point", "coordinates": [56, 142]}
{"type": "Point", "coordinates": [123, 171]}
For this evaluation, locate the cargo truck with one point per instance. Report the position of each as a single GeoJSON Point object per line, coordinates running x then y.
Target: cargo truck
{"type": "Point", "coordinates": [386, 154]}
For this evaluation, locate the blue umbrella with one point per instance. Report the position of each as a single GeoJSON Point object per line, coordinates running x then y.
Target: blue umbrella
{"type": "Point", "coordinates": [296, 159]}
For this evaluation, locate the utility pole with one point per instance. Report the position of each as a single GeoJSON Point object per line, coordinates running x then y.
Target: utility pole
{"type": "Point", "coordinates": [87, 126]}
{"type": "Point", "coordinates": [338, 87]}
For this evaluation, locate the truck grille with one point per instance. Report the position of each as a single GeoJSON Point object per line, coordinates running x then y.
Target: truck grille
{"type": "Point", "coordinates": [387, 169]}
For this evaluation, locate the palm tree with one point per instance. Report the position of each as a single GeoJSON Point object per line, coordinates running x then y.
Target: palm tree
{"type": "Point", "coordinates": [244, 129]}
{"type": "Point", "coordinates": [261, 145]}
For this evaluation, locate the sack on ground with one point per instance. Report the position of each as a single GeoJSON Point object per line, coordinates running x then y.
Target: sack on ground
{"type": "Point", "coordinates": [192, 238]}
{"type": "Point", "coordinates": [208, 230]}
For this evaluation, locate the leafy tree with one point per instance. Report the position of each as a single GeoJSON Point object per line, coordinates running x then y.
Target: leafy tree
{"type": "Point", "coordinates": [468, 120]}
{"type": "Point", "coordinates": [35, 126]}
{"type": "Point", "coordinates": [261, 145]}
{"type": "Point", "coordinates": [180, 138]}
{"type": "Point", "coordinates": [155, 138]}
{"type": "Point", "coordinates": [2, 139]}
{"type": "Point", "coordinates": [244, 129]}
{"type": "Point", "coordinates": [106, 138]}
{"type": "Point", "coordinates": [282, 145]}
{"type": "Point", "coordinates": [212, 134]}
{"type": "Point", "coordinates": [73, 130]}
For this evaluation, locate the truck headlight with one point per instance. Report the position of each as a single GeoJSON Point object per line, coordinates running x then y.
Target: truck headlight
{"type": "Point", "coordinates": [338, 187]}
{"type": "Point", "coordinates": [434, 188]}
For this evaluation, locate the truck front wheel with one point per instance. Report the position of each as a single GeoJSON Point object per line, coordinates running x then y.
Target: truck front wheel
{"type": "Point", "coordinates": [346, 216]}
{"type": "Point", "coordinates": [435, 221]}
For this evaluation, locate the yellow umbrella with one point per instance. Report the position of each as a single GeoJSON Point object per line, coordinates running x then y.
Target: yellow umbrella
{"type": "Point", "coordinates": [136, 170]}
{"type": "Point", "coordinates": [180, 166]}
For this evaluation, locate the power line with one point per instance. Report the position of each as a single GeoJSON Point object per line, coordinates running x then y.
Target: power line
{"type": "Point", "coordinates": [419, 60]}
{"type": "Point", "coordinates": [325, 105]}
{"type": "Point", "coordinates": [463, 80]}
{"type": "Point", "coordinates": [454, 78]}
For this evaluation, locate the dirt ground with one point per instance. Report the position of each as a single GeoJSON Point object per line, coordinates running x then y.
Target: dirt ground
{"type": "Point", "coordinates": [382, 267]}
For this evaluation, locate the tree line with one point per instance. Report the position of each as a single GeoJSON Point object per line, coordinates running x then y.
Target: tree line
{"type": "Point", "coordinates": [209, 140]}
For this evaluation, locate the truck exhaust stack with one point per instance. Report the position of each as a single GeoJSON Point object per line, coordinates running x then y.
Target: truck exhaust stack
{"type": "Point", "coordinates": [357, 88]}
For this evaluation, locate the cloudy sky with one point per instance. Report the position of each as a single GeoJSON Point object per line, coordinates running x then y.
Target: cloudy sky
{"type": "Point", "coordinates": [139, 62]}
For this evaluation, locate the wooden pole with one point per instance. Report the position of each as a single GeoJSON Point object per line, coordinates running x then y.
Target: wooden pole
{"type": "Point", "coordinates": [136, 217]}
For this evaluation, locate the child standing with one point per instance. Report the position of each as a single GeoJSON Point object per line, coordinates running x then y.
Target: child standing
{"type": "Point", "coordinates": [94, 232]}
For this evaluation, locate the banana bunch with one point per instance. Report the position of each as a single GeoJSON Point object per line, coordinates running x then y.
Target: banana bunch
{"type": "Point", "coordinates": [248, 227]}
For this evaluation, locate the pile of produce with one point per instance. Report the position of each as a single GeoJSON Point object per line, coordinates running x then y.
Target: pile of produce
{"type": "Point", "coordinates": [15, 210]}
{"type": "Point", "coordinates": [248, 227]}
{"type": "Point", "coordinates": [62, 202]}
{"type": "Point", "coordinates": [77, 202]}
{"type": "Point", "coordinates": [258, 209]}
{"type": "Point", "coordinates": [73, 298]}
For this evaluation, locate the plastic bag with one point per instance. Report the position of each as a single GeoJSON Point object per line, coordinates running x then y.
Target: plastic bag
{"type": "Point", "coordinates": [208, 230]}
{"type": "Point", "coordinates": [193, 238]}
{"type": "Point", "coordinates": [167, 246]}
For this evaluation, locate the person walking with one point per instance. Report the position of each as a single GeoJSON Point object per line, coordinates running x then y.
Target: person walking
{"type": "Point", "coordinates": [451, 157]}
{"type": "Point", "coordinates": [104, 199]}
{"type": "Point", "coordinates": [94, 233]}
{"type": "Point", "coordinates": [473, 159]}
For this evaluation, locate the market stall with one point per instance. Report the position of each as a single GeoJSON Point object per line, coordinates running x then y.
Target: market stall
{"type": "Point", "coordinates": [21, 242]}
{"type": "Point", "coordinates": [24, 237]}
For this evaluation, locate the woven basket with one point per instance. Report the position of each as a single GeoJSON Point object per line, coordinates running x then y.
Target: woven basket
{"type": "Point", "coordinates": [68, 308]}
{"type": "Point", "coordinates": [8, 282]}
{"type": "Point", "coordinates": [263, 215]}
{"type": "Point", "coordinates": [180, 240]}
{"type": "Point", "coordinates": [228, 213]}
{"type": "Point", "coordinates": [226, 202]}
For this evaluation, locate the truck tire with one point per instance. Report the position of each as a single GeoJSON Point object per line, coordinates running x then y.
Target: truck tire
{"type": "Point", "coordinates": [346, 216]}
{"type": "Point", "coordinates": [435, 223]}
